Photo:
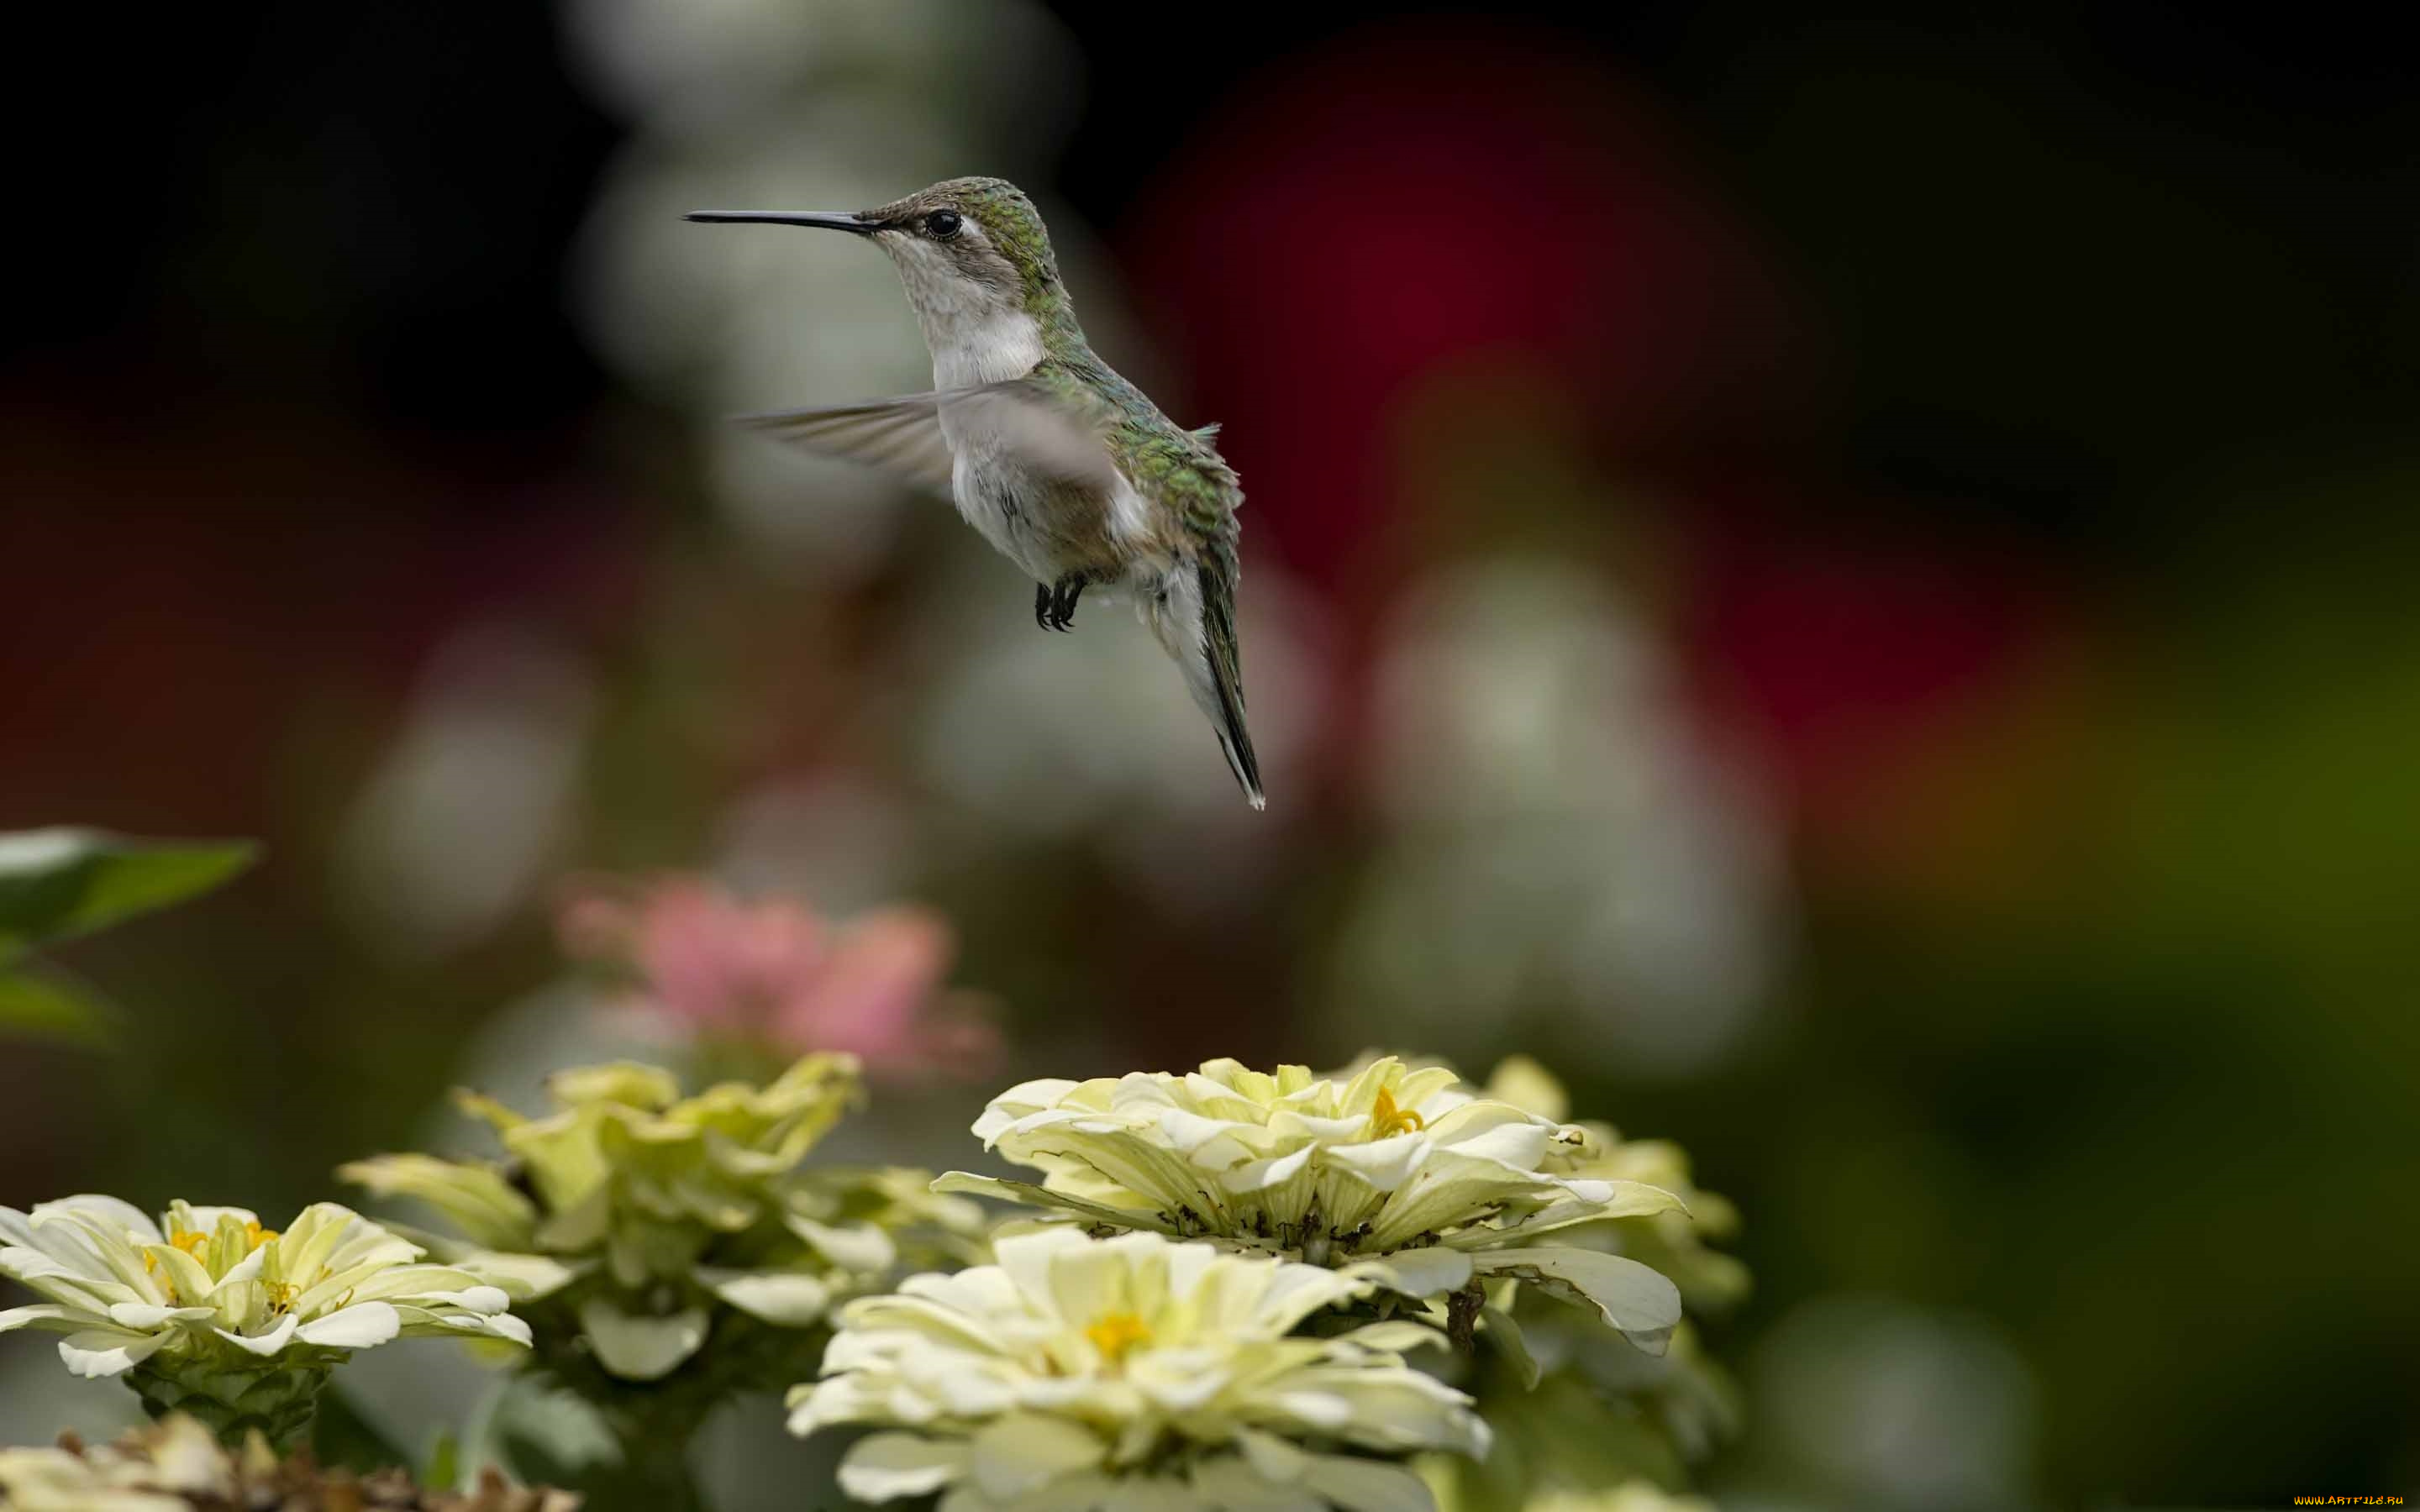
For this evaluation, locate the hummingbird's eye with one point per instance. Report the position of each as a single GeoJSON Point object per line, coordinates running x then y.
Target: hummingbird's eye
{"type": "Point", "coordinates": [944, 225]}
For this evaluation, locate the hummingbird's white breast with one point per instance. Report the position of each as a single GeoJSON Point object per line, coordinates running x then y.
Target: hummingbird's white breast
{"type": "Point", "coordinates": [990, 349]}
{"type": "Point", "coordinates": [979, 332]}
{"type": "Point", "coordinates": [1020, 509]}
{"type": "Point", "coordinates": [1035, 514]}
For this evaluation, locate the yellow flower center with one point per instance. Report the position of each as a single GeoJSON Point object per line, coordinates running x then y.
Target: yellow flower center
{"type": "Point", "coordinates": [1386, 1119]}
{"type": "Point", "coordinates": [1114, 1334]}
{"type": "Point", "coordinates": [194, 1241]}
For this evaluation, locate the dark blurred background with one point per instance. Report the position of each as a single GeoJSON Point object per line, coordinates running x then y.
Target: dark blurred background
{"type": "Point", "coordinates": [1846, 582]}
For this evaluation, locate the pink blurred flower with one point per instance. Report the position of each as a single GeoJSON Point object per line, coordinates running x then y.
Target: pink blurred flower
{"type": "Point", "coordinates": [777, 972]}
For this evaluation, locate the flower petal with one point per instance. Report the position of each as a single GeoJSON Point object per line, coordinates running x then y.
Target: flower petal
{"type": "Point", "coordinates": [1368, 1486]}
{"type": "Point", "coordinates": [1427, 1271]}
{"type": "Point", "coordinates": [120, 1216]}
{"type": "Point", "coordinates": [638, 1348]}
{"type": "Point", "coordinates": [180, 1271]}
{"type": "Point", "coordinates": [475, 1199]}
{"type": "Point", "coordinates": [142, 1316]}
{"type": "Point", "coordinates": [1450, 1189]}
{"type": "Point", "coordinates": [357, 1327]}
{"type": "Point", "coordinates": [1139, 1493]}
{"type": "Point", "coordinates": [1637, 1299]}
{"type": "Point", "coordinates": [1231, 1482]}
{"type": "Point", "coordinates": [44, 1314]}
{"type": "Point", "coordinates": [107, 1351]}
{"type": "Point", "coordinates": [523, 1277]}
{"type": "Point", "coordinates": [1261, 1175]}
{"type": "Point", "coordinates": [1584, 1202]}
{"type": "Point", "coordinates": [788, 1298]}
{"type": "Point", "coordinates": [269, 1343]}
{"type": "Point", "coordinates": [20, 1263]}
{"type": "Point", "coordinates": [973, 1185]}
{"type": "Point", "coordinates": [247, 1269]}
{"type": "Point", "coordinates": [1022, 1450]}
{"type": "Point", "coordinates": [1397, 1335]}
{"type": "Point", "coordinates": [850, 1246]}
{"type": "Point", "coordinates": [1385, 1164]}
{"type": "Point", "coordinates": [882, 1466]}
{"type": "Point", "coordinates": [506, 1326]}
{"type": "Point", "coordinates": [422, 1323]}
{"type": "Point", "coordinates": [1320, 1409]}
{"type": "Point", "coordinates": [1272, 1458]}
{"type": "Point", "coordinates": [1018, 1100]}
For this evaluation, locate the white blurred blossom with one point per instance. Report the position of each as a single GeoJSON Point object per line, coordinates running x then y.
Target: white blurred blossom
{"type": "Point", "coordinates": [462, 814]}
{"type": "Point", "coordinates": [1879, 1403]}
{"type": "Point", "coordinates": [1561, 839]}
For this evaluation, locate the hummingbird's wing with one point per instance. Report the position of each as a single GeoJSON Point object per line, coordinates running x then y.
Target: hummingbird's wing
{"type": "Point", "coordinates": [903, 436]}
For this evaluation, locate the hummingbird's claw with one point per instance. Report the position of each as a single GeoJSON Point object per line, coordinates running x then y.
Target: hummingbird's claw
{"type": "Point", "coordinates": [1054, 604]}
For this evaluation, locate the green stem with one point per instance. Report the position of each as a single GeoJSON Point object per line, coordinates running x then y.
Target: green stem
{"type": "Point", "coordinates": [655, 1469]}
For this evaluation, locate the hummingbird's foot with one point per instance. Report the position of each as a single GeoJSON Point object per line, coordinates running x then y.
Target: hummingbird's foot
{"type": "Point", "coordinates": [1062, 600]}
{"type": "Point", "coordinates": [1042, 605]}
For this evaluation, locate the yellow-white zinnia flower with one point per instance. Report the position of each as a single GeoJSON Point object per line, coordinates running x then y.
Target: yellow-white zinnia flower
{"type": "Point", "coordinates": [1131, 1373]}
{"type": "Point", "coordinates": [650, 1217]}
{"type": "Point", "coordinates": [207, 1311]}
{"type": "Point", "coordinates": [1396, 1168]}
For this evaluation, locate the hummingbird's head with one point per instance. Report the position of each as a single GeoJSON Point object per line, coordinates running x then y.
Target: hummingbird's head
{"type": "Point", "coordinates": [969, 250]}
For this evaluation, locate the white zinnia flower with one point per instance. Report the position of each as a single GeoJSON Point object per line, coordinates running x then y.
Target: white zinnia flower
{"type": "Point", "coordinates": [1131, 1373]}
{"type": "Point", "coordinates": [209, 1311]}
{"type": "Point", "coordinates": [1395, 1167]}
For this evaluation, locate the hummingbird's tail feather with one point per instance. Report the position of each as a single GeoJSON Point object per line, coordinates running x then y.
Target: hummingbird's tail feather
{"type": "Point", "coordinates": [1193, 615]}
{"type": "Point", "coordinates": [1235, 743]}
{"type": "Point", "coordinates": [1224, 655]}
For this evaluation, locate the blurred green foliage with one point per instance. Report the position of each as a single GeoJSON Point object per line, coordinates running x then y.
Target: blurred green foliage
{"type": "Point", "coordinates": [58, 884]}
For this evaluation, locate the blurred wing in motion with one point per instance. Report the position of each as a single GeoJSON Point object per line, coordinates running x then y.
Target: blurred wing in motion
{"type": "Point", "coordinates": [903, 436]}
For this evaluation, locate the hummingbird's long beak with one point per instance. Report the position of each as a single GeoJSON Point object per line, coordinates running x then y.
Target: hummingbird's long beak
{"type": "Point", "coordinates": [843, 222]}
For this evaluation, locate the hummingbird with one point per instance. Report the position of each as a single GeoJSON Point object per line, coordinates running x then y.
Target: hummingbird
{"type": "Point", "coordinates": [1069, 470]}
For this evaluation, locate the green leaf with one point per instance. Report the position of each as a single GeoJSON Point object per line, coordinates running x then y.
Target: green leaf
{"type": "Point", "coordinates": [43, 1004]}
{"type": "Point", "coordinates": [59, 883]}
